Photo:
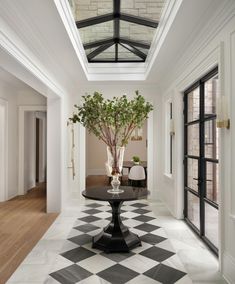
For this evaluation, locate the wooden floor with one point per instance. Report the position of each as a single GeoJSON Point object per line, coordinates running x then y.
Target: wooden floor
{"type": "Point", "coordinates": [23, 221]}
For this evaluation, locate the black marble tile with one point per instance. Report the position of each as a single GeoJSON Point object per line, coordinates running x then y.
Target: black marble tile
{"type": "Point", "coordinates": [81, 240]}
{"type": "Point", "coordinates": [143, 218]}
{"type": "Point", "coordinates": [139, 205]}
{"type": "Point", "coordinates": [94, 205]}
{"type": "Point", "coordinates": [118, 256]}
{"type": "Point", "coordinates": [165, 274]}
{"type": "Point", "coordinates": [152, 239]}
{"type": "Point", "coordinates": [71, 274]}
{"type": "Point", "coordinates": [86, 228]}
{"type": "Point", "coordinates": [117, 274]}
{"type": "Point", "coordinates": [141, 211]}
{"type": "Point", "coordinates": [89, 219]}
{"type": "Point", "coordinates": [92, 211]}
{"type": "Point", "coordinates": [157, 254]}
{"type": "Point", "coordinates": [78, 254]}
{"type": "Point", "coordinates": [147, 227]}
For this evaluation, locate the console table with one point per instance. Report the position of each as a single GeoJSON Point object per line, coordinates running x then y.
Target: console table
{"type": "Point", "coordinates": [115, 237]}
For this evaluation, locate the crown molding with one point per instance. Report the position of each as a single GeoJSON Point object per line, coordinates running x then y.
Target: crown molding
{"type": "Point", "coordinates": [13, 46]}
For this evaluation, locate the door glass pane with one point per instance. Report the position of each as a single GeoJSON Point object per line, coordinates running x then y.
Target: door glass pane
{"type": "Point", "coordinates": [211, 89]}
{"type": "Point", "coordinates": [211, 223]}
{"type": "Point", "coordinates": [212, 181]}
{"type": "Point", "coordinates": [193, 139]}
{"type": "Point", "coordinates": [193, 209]}
{"type": "Point", "coordinates": [192, 179]}
{"type": "Point", "coordinates": [193, 105]}
{"type": "Point", "coordinates": [211, 139]}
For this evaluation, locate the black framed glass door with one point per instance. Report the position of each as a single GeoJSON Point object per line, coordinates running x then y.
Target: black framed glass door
{"type": "Point", "coordinates": [201, 160]}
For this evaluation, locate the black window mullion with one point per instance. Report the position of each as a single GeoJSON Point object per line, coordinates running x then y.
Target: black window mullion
{"type": "Point", "coordinates": [201, 177]}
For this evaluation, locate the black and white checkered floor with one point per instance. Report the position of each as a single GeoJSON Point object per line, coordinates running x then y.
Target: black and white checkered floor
{"type": "Point", "coordinates": [154, 262]}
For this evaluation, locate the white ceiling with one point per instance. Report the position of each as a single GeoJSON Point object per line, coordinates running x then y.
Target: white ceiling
{"type": "Point", "coordinates": [45, 32]}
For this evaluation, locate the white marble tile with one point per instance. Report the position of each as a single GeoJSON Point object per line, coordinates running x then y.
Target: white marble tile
{"type": "Point", "coordinates": [60, 262]}
{"type": "Point", "coordinates": [175, 262]}
{"type": "Point", "coordinates": [96, 263]}
{"type": "Point", "coordinates": [29, 273]}
{"type": "Point", "coordinates": [74, 233]}
{"type": "Point", "coordinates": [103, 215]}
{"type": "Point", "coordinates": [184, 280]}
{"type": "Point", "coordinates": [139, 263]}
{"type": "Point", "coordinates": [143, 247]}
{"type": "Point", "coordinates": [67, 245]}
{"type": "Point", "coordinates": [130, 223]}
{"type": "Point", "coordinates": [129, 214]}
{"type": "Point", "coordinates": [142, 279]}
{"type": "Point", "coordinates": [57, 232]}
{"type": "Point", "coordinates": [166, 245]}
{"type": "Point", "coordinates": [40, 257]}
{"type": "Point", "coordinates": [94, 279]}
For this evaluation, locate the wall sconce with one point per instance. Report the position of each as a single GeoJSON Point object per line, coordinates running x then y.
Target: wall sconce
{"type": "Point", "coordinates": [222, 119]}
{"type": "Point", "coordinates": [172, 127]}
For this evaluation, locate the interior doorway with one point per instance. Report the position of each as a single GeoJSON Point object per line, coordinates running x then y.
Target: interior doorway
{"type": "Point", "coordinates": [201, 159]}
{"type": "Point", "coordinates": [96, 158]}
{"type": "Point", "coordinates": [3, 150]}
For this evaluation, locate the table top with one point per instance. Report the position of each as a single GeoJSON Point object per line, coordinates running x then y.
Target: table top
{"type": "Point", "coordinates": [129, 164]}
{"type": "Point", "coordinates": [130, 193]}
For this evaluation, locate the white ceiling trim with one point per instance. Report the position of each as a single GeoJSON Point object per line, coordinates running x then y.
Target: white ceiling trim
{"type": "Point", "coordinates": [22, 55]}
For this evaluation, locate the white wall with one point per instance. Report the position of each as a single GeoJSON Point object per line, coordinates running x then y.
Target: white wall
{"type": "Point", "coordinates": [150, 92]}
{"type": "Point", "coordinates": [28, 97]}
{"type": "Point", "coordinates": [215, 45]}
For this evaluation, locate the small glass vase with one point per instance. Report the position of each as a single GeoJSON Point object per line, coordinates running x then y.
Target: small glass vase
{"type": "Point", "coordinates": [115, 185]}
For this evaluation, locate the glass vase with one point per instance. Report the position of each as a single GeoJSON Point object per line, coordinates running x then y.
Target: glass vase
{"type": "Point", "coordinates": [115, 162]}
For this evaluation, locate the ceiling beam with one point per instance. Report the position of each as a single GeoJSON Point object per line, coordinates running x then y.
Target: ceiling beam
{"type": "Point", "coordinates": [98, 43]}
{"type": "Point", "coordinates": [98, 50]}
{"type": "Point", "coordinates": [94, 21]}
{"type": "Point", "coordinates": [134, 43]}
{"type": "Point", "coordinates": [138, 20]}
{"type": "Point", "coordinates": [135, 51]}
{"type": "Point", "coordinates": [114, 61]}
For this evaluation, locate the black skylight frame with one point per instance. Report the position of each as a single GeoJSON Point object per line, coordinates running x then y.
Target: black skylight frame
{"type": "Point", "coordinates": [131, 45]}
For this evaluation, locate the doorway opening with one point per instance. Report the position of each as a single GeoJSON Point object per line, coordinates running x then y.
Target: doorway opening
{"type": "Point", "coordinates": [201, 159]}
{"type": "Point", "coordinates": [96, 158]}
{"type": "Point", "coordinates": [35, 153]}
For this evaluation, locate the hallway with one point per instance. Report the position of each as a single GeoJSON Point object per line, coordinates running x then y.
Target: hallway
{"type": "Point", "coordinates": [23, 221]}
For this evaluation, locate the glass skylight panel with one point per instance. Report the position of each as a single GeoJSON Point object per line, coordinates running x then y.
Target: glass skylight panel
{"type": "Point", "coordinates": [109, 53]}
{"type": "Point", "coordinates": [125, 54]}
{"type": "Point", "coordinates": [116, 31]}
{"type": "Point", "coordinates": [148, 9]}
{"type": "Point", "coordinates": [84, 9]}
{"type": "Point", "coordinates": [136, 32]}
{"type": "Point", "coordinates": [96, 32]}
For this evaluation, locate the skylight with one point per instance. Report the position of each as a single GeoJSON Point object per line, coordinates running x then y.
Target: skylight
{"type": "Point", "coordinates": [117, 30]}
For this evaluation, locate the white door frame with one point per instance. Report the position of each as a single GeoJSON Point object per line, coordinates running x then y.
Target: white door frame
{"type": "Point", "coordinates": [22, 110]}
{"type": "Point", "coordinates": [3, 150]}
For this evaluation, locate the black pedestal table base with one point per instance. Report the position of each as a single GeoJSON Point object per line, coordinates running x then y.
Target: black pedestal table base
{"type": "Point", "coordinates": [116, 237]}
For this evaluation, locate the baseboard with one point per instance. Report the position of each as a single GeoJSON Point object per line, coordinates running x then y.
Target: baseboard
{"type": "Point", "coordinates": [11, 196]}
{"type": "Point", "coordinates": [228, 268]}
{"type": "Point", "coordinates": [96, 172]}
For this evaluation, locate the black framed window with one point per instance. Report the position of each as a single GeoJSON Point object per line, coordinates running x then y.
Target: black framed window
{"type": "Point", "coordinates": [201, 159]}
